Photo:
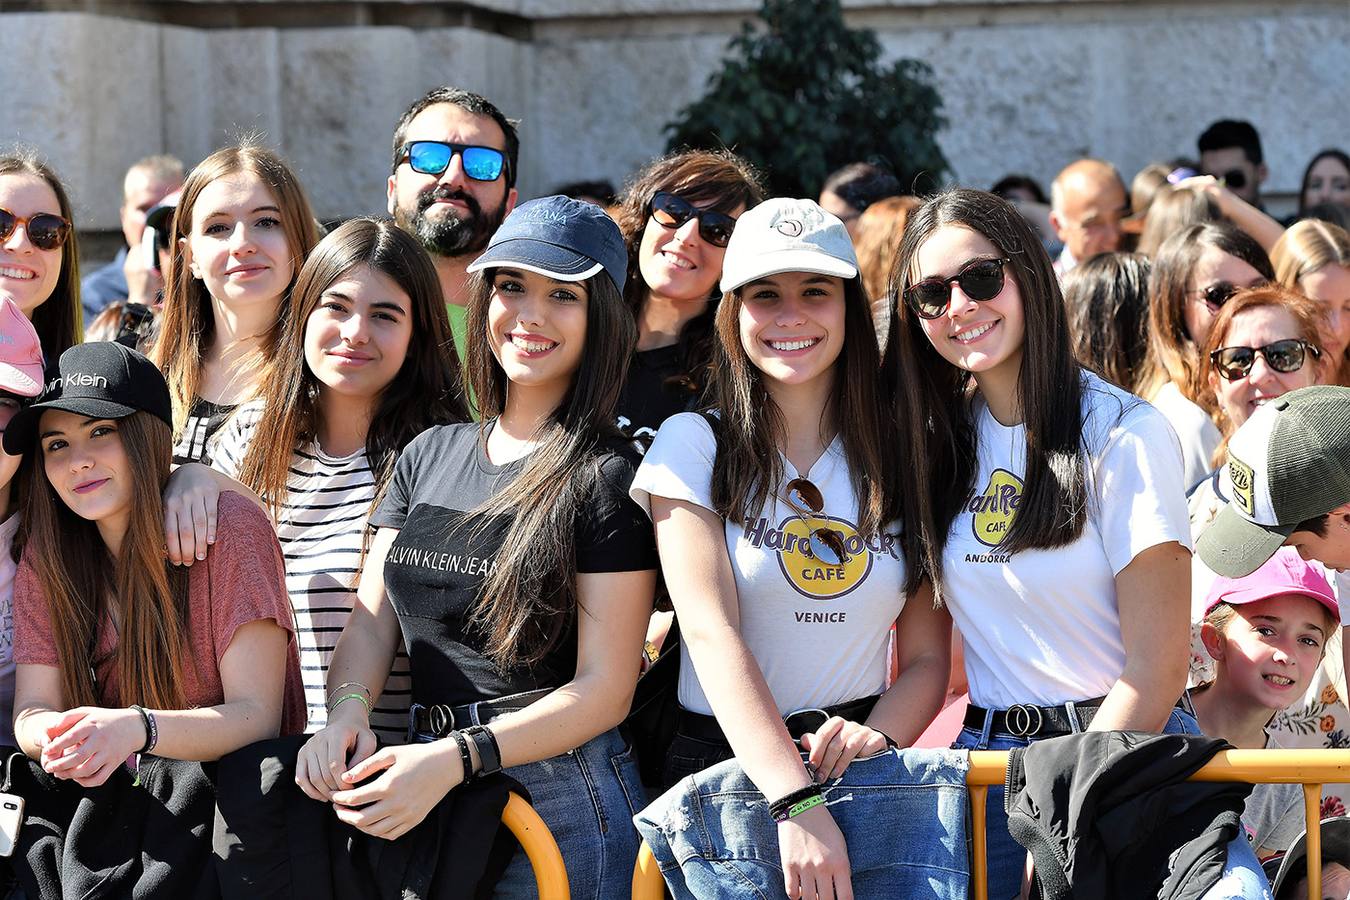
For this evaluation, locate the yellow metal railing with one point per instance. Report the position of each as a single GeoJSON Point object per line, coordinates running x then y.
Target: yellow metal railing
{"type": "Point", "coordinates": [1310, 768]}
{"type": "Point", "coordinates": [540, 848]}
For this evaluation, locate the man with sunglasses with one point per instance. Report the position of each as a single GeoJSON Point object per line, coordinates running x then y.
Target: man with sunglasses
{"type": "Point", "coordinates": [1087, 202]}
{"type": "Point", "coordinates": [455, 159]}
{"type": "Point", "coordinates": [1230, 150]}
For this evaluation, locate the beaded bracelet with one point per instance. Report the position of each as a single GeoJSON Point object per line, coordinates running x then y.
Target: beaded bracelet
{"type": "Point", "coordinates": [364, 702]}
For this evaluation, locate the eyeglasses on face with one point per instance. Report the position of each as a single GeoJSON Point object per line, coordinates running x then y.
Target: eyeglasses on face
{"type": "Point", "coordinates": [980, 280]}
{"type": "Point", "coordinates": [1287, 355]}
{"type": "Point", "coordinates": [433, 158]}
{"type": "Point", "coordinates": [47, 231]}
{"type": "Point", "coordinates": [671, 211]}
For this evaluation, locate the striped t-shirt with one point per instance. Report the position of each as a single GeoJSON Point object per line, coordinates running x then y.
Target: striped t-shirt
{"type": "Point", "coordinates": [322, 527]}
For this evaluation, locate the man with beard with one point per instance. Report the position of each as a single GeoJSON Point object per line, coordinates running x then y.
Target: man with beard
{"type": "Point", "coordinates": [453, 182]}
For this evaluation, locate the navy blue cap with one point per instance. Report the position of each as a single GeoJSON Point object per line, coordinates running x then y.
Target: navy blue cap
{"type": "Point", "coordinates": [559, 237]}
{"type": "Point", "coordinates": [103, 380]}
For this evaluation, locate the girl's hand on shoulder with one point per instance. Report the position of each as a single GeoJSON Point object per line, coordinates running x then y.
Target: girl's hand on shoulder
{"type": "Point", "coordinates": [190, 501]}
{"type": "Point", "coordinates": [838, 742]}
{"type": "Point", "coordinates": [328, 754]}
{"type": "Point", "coordinates": [87, 744]}
{"type": "Point", "coordinates": [408, 783]}
{"type": "Point", "coordinates": [814, 857]}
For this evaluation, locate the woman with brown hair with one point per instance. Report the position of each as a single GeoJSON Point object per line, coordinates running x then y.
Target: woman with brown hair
{"type": "Point", "coordinates": [1196, 271]}
{"type": "Point", "coordinates": [1313, 258]}
{"type": "Point", "coordinates": [367, 364]}
{"type": "Point", "coordinates": [676, 219]}
{"type": "Point", "coordinates": [119, 653]}
{"type": "Point", "coordinates": [40, 251]}
{"type": "Point", "coordinates": [242, 229]}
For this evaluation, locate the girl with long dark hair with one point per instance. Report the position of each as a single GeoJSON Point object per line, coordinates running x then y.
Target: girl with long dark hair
{"type": "Point", "coordinates": [118, 652]}
{"type": "Point", "coordinates": [676, 218]}
{"type": "Point", "coordinates": [241, 231]}
{"type": "Point", "coordinates": [516, 567]}
{"type": "Point", "coordinates": [368, 365]}
{"type": "Point", "coordinates": [776, 518]}
{"type": "Point", "coordinates": [1045, 505]}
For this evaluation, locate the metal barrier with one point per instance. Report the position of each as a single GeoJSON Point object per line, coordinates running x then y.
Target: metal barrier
{"type": "Point", "coordinates": [540, 848]}
{"type": "Point", "coordinates": [1310, 768]}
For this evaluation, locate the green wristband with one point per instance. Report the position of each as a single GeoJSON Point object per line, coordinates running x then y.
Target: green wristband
{"type": "Point", "coordinates": [797, 809]}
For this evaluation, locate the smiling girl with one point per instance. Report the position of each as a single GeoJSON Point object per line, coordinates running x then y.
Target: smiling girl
{"type": "Point", "coordinates": [369, 366]}
{"type": "Point", "coordinates": [39, 251]}
{"type": "Point", "coordinates": [776, 522]}
{"type": "Point", "coordinates": [119, 653]}
{"type": "Point", "coordinates": [516, 567]}
{"type": "Point", "coordinates": [242, 229]}
{"type": "Point", "coordinates": [1045, 505]}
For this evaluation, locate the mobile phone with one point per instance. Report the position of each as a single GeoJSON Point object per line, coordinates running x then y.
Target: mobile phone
{"type": "Point", "coordinates": [11, 817]}
{"type": "Point", "coordinates": [150, 249]}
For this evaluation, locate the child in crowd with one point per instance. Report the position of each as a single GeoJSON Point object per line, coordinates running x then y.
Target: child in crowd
{"type": "Point", "coordinates": [118, 652]}
{"type": "Point", "coordinates": [20, 381]}
{"type": "Point", "coordinates": [39, 251]}
{"type": "Point", "coordinates": [518, 570]}
{"type": "Point", "coordinates": [1267, 634]}
{"type": "Point", "coordinates": [776, 519]}
{"type": "Point", "coordinates": [242, 229]}
{"type": "Point", "coordinates": [366, 364]}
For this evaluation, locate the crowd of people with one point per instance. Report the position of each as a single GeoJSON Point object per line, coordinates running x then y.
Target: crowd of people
{"type": "Point", "coordinates": [411, 509]}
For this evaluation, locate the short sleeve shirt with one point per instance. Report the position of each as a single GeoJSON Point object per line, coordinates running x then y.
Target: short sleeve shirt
{"type": "Point", "coordinates": [435, 570]}
{"type": "Point", "coordinates": [818, 632]}
{"type": "Point", "coordinates": [1043, 626]}
{"type": "Point", "coordinates": [241, 581]}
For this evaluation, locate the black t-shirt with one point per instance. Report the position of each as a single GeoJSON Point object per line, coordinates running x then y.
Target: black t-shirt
{"type": "Point", "coordinates": [653, 393]}
{"type": "Point", "coordinates": [204, 419]}
{"type": "Point", "coordinates": [435, 569]}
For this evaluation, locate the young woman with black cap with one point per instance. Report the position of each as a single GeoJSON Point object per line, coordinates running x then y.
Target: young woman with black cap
{"type": "Point", "coordinates": [518, 570]}
{"type": "Point", "coordinates": [118, 652]}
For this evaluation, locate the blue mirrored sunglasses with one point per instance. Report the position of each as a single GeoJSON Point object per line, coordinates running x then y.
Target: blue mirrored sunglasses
{"type": "Point", "coordinates": [433, 158]}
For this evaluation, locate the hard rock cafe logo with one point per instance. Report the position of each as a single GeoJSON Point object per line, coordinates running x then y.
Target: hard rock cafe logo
{"type": "Point", "coordinates": [993, 511]}
{"type": "Point", "coordinates": [808, 575]}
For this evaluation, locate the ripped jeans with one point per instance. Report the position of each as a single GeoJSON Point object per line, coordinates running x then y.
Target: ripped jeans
{"type": "Point", "coordinates": [902, 813]}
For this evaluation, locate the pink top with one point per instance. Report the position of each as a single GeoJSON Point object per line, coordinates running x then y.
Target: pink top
{"type": "Point", "coordinates": [241, 581]}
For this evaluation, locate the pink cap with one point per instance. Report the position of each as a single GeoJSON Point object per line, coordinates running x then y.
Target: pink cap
{"type": "Point", "coordinates": [1284, 573]}
{"type": "Point", "coordinates": [20, 352]}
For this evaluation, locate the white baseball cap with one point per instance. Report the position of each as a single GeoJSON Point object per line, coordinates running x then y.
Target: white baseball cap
{"type": "Point", "coordinates": [787, 235]}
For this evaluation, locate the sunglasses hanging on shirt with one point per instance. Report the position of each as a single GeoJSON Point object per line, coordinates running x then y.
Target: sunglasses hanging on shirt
{"type": "Point", "coordinates": [806, 501]}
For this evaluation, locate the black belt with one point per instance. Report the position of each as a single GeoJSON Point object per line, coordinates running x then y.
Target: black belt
{"type": "Point", "coordinates": [798, 722]}
{"type": "Point", "coordinates": [1027, 721]}
{"type": "Point", "coordinates": [439, 719]}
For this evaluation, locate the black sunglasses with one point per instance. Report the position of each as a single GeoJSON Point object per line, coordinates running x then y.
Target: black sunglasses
{"type": "Point", "coordinates": [1288, 355]}
{"type": "Point", "coordinates": [672, 211]}
{"type": "Point", "coordinates": [433, 158]}
{"type": "Point", "coordinates": [826, 545]}
{"type": "Point", "coordinates": [1235, 179]}
{"type": "Point", "coordinates": [981, 280]}
{"type": "Point", "coordinates": [1219, 293]}
{"type": "Point", "coordinates": [47, 231]}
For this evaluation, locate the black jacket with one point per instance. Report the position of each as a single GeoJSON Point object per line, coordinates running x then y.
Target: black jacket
{"type": "Point", "coordinates": [1110, 814]}
{"type": "Point", "coordinates": [274, 842]}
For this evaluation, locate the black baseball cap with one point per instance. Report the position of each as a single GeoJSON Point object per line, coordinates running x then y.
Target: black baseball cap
{"type": "Point", "coordinates": [103, 380]}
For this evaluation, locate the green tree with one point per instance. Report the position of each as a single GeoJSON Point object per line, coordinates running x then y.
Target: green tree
{"type": "Point", "coordinates": [801, 94]}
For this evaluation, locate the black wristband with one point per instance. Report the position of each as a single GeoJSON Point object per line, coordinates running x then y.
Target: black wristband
{"type": "Point", "coordinates": [489, 754]}
{"type": "Point", "coordinates": [778, 808]}
{"type": "Point", "coordinates": [465, 758]}
{"type": "Point", "coordinates": [151, 732]}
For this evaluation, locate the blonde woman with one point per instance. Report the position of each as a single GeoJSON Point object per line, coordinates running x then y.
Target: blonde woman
{"type": "Point", "coordinates": [1313, 258]}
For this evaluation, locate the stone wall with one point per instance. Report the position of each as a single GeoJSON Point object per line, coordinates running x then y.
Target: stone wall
{"type": "Point", "coordinates": [1028, 86]}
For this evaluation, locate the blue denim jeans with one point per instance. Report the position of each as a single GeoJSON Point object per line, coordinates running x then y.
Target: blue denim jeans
{"type": "Point", "coordinates": [1242, 878]}
{"type": "Point", "coordinates": [587, 797]}
{"type": "Point", "coordinates": [902, 814]}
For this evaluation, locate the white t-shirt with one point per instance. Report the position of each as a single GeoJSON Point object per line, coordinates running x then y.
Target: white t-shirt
{"type": "Point", "coordinates": [1196, 431]}
{"type": "Point", "coordinates": [818, 632]}
{"type": "Point", "coordinates": [321, 528]}
{"type": "Point", "coordinates": [8, 528]}
{"type": "Point", "coordinates": [1042, 626]}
